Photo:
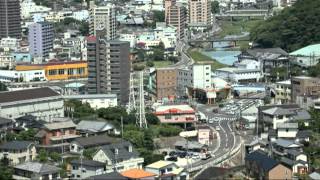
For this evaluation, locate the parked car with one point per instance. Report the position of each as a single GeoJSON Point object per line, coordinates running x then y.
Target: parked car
{"type": "Point", "coordinates": [205, 156]}
{"type": "Point", "coordinates": [172, 158]}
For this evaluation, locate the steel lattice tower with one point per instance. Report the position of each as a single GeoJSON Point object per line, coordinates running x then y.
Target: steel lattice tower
{"type": "Point", "coordinates": [132, 98]}
{"type": "Point", "coordinates": [140, 113]}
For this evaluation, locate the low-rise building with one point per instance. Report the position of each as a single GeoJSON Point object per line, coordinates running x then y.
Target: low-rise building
{"type": "Point", "coordinates": [59, 70]}
{"type": "Point", "coordinates": [57, 134]}
{"type": "Point", "coordinates": [96, 101]}
{"type": "Point", "coordinates": [36, 170]}
{"type": "Point", "coordinates": [260, 166]}
{"type": "Point", "coordinates": [138, 174]}
{"type": "Point", "coordinates": [283, 92]}
{"type": "Point", "coordinates": [239, 75]}
{"type": "Point", "coordinates": [80, 144]}
{"type": "Point", "coordinates": [22, 76]}
{"type": "Point", "coordinates": [43, 103]}
{"type": "Point", "coordinates": [81, 169]}
{"type": "Point", "coordinates": [86, 128]}
{"type": "Point", "coordinates": [167, 169]}
{"type": "Point", "coordinates": [18, 152]}
{"type": "Point", "coordinates": [176, 114]}
{"type": "Point", "coordinates": [306, 56]}
{"type": "Point", "coordinates": [205, 135]}
{"type": "Point", "coordinates": [120, 156]}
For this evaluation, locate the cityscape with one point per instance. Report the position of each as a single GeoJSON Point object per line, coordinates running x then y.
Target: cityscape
{"type": "Point", "coordinates": [159, 89]}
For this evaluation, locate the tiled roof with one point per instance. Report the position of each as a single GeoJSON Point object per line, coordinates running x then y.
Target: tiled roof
{"type": "Point", "coordinates": [60, 125]}
{"type": "Point", "coordinates": [27, 94]}
{"type": "Point", "coordinates": [277, 111]}
{"type": "Point", "coordinates": [37, 167]}
{"type": "Point", "coordinates": [5, 120]}
{"type": "Point", "coordinates": [92, 141]}
{"type": "Point", "coordinates": [137, 174]}
{"type": "Point", "coordinates": [262, 160]}
{"type": "Point", "coordinates": [123, 151]}
{"type": "Point", "coordinates": [86, 162]}
{"type": "Point", "coordinates": [94, 126]}
{"type": "Point", "coordinates": [16, 145]}
{"type": "Point", "coordinates": [109, 176]}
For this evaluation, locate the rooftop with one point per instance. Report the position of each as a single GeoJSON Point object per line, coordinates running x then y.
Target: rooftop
{"type": "Point", "coordinates": [92, 141]}
{"type": "Point", "coordinates": [137, 174]}
{"type": "Point", "coordinates": [174, 109]}
{"type": "Point", "coordinates": [277, 111]}
{"type": "Point", "coordinates": [311, 50]}
{"type": "Point", "coordinates": [5, 120]}
{"type": "Point", "coordinates": [16, 145]}
{"type": "Point", "coordinates": [38, 168]}
{"type": "Point", "coordinates": [123, 150]}
{"type": "Point", "coordinates": [94, 126]}
{"type": "Point", "coordinates": [108, 176]}
{"type": "Point", "coordinates": [159, 164]}
{"type": "Point", "coordinates": [262, 160]}
{"type": "Point", "coordinates": [27, 94]}
{"type": "Point", "coordinates": [60, 125]}
{"type": "Point", "coordinates": [86, 162]}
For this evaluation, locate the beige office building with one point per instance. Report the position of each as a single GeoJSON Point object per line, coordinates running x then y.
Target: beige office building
{"type": "Point", "coordinates": [175, 16]}
{"type": "Point", "coordinates": [200, 12]}
{"type": "Point", "coordinates": [103, 18]}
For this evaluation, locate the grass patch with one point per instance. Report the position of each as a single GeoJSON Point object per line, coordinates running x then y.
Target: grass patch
{"type": "Point", "coordinates": [198, 57]}
{"type": "Point", "coordinates": [161, 64]}
{"type": "Point", "coordinates": [236, 27]}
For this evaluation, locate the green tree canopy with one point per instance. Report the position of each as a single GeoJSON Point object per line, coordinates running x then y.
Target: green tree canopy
{"type": "Point", "coordinates": [215, 7]}
{"type": "Point", "coordinates": [292, 28]}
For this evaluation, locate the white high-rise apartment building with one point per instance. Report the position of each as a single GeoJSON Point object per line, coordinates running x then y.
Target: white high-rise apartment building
{"type": "Point", "coordinates": [200, 12]}
{"type": "Point", "coordinates": [103, 18]}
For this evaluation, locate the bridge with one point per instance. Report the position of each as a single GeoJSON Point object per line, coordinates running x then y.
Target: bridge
{"type": "Point", "coordinates": [233, 41]}
{"type": "Point", "coordinates": [244, 13]}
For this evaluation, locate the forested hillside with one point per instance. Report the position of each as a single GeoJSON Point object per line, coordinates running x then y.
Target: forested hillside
{"type": "Point", "coordinates": [293, 28]}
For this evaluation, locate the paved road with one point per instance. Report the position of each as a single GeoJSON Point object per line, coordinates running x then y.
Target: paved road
{"type": "Point", "coordinates": [228, 140]}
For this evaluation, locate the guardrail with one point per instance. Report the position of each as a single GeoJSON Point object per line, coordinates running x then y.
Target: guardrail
{"type": "Point", "coordinates": [216, 161]}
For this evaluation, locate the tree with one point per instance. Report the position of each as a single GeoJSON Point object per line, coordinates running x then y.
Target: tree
{"type": "Point", "coordinates": [6, 171]}
{"type": "Point", "coordinates": [152, 119]}
{"type": "Point", "coordinates": [173, 59]}
{"type": "Point", "coordinates": [299, 29]}
{"type": "Point", "coordinates": [158, 16]}
{"type": "Point", "coordinates": [54, 156]}
{"type": "Point", "coordinates": [88, 153]}
{"type": "Point", "coordinates": [150, 63]}
{"type": "Point", "coordinates": [43, 156]}
{"type": "Point", "coordinates": [3, 87]}
{"type": "Point", "coordinates": [80, 109]}
{"type": "Point", "coordinates": [215, 7]}
{"type": "Point", "coordinates": [158, 54]}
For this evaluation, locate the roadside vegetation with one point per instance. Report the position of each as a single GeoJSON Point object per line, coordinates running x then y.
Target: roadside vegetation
{"type": "Point", "coordinates": [198, 57]}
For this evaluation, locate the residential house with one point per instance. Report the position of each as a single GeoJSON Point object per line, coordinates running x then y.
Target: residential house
{"type": "Point", "coordinates": [82, 143]}
{"type": "Point", "coordinates": [281, 146]}
{"type": "Point", "coordinates": [86, 128]}
{"type": "Point", "coordinates": [28, 122]}
{"type": "Point", "coordinates": [36, 171]}
{"type": "Point", "coordinates": [138, 174]}
{"type": "Point", "coordinates": [256, 144]}
{"type": "Point", "coordinates": [5, 125]}
{"type": "Point", "coordinates": [81, 169]}
{"type": "Point", "coordinates": [121, 156]}
{"type": "Point", "coordinates": [167, 169]}
{"type": "Point", "coordinates": [269, 58]}
{"type": "Point", "coordinates": [296, 160]}
{"type": "Point", "coordinates": [57, 134]}
{"type": "Point", "coordinates": [18, 152]}
{"type": "Point", "coordinates": [260, 166]}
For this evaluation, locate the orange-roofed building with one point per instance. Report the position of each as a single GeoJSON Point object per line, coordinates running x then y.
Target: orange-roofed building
{"type": "Point", "coordinates": [138, 174]}
{"type": "Point", "coordinates": [176, 114]}
{"type": "Point", "coordinates": [56, 70]}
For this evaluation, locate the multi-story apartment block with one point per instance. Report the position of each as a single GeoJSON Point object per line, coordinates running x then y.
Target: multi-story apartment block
{"type": "Point", "coordinates": [175, 16]}
{"type": "Point", "coordinates": [103, 18]}
{"type": "Point", "coordinates": [10, 19]}
{"type": "Point", "coordinates": [166, 82]}
{"type": "Point", "coordinates": [200, 12]}
{"type": "Point", "coordinates": [41, 36]}
{"type": "Point", "coordinates": [304, 86]}
{"type": "Point", "coordinates": [109, 67]}
{"type": "Point", "coordinates": [283, 92]}
{"type": "Point", "coordinates": [201, 76]}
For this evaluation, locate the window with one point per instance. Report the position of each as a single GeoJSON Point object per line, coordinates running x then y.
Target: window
{"type": "Point", "coordinates": [75, 167]}
{"type": "Point", "coordinates": [61, 71]}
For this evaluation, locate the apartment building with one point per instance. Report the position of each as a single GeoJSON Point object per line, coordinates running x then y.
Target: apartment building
{"type": "Point", "coordinates": [176, 16]}
{"type": "Point", "coordinates": [109, 67]}
{"type": "Point", "coordinates": [10, 19]}
{"type": "Point", "coordinates": [304, 86]}
{"type": "Point", "coordinates": [283, 92]}
{"type": "Point", "coordinates": [103, 18]}
{"type": "Point", "coordinates": [200, 13]}
{"type": "Point", "coordinates": [40, 38]}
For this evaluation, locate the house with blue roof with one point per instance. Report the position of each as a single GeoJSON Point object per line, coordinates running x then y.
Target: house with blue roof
{"type": "Point", "coordinates": [261, 166]}
{"type": "Point", "coordinates": [306, 56]}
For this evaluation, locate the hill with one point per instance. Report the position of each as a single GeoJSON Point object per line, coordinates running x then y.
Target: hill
{"type": "Point", "coordinates": [292, 28]}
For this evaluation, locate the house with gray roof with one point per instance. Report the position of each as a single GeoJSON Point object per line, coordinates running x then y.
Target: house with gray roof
{"type": "Point", "coordinates": [84, 168]}
{"type": "Point", "coordinates": [36, 170]}
{"type": "Point", "coordinates": [120, 155]}
{"type": "Point", "coordinates": [94, 127]}
{"type": "Point", "coordinates": [261, 166]}
{"type": "Point", "coordinates": [82, 143]}
{"type": "Point", "coordinates": [18, 152]}
{"type": "Point", "coordinates": [281, 146]}
{"type": "Point", "coordinates": [5, 124]}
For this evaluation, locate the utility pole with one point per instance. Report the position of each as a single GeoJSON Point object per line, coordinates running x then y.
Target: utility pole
{"type": "Point", "coordinates": [121, 127]}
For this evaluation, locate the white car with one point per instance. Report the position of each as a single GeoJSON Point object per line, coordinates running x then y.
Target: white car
{"type": "Point", "coordinates": [218, 128]}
